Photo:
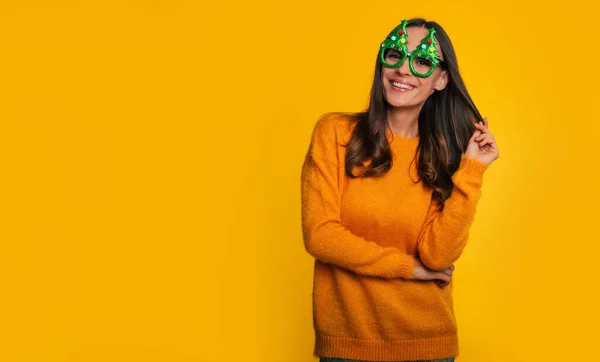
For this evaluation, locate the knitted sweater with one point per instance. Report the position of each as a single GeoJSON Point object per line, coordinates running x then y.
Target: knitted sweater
{"type": "Point", "coordinates": [364, 234]}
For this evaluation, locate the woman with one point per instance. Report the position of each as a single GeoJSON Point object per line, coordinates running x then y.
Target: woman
{"type": "Point", "coordinates": [388, 197]}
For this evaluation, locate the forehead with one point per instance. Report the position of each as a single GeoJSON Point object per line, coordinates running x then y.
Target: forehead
{"type": "Point", "coordinates": [415, 35]}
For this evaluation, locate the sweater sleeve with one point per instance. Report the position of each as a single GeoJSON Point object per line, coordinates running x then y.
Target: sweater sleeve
{"type": "Point", "coordinates": [325, 238]}
{"type": "Point", "coordinates": [444, 234]}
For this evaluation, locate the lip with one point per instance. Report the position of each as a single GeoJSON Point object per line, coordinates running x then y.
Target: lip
{"type": "Point", "coordinates": [397, 89]}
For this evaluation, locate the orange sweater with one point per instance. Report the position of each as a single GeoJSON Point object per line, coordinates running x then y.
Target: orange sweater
{"type": "Point", "coordinates": [364, 234]}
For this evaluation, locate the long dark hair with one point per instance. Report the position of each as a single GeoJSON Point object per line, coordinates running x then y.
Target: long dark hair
{"type": "Point", "coordinates": [445, 127]}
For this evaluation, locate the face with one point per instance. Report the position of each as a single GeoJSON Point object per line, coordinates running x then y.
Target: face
{"type": "Point", "coordinates": [403, 89]}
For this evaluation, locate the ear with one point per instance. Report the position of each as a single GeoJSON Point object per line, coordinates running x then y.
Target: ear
{"type": "Point", "coordinates": [442, 81]}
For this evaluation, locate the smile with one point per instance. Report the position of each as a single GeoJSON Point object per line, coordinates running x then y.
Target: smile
{"type": "Point", "coordinates": [403, 86]}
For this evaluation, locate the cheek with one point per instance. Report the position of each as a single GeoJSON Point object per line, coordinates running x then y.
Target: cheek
{"type": "Point", "coordinates": [385, 72]}
{"type": "Point", "coordinates": [424, 85]}
{"type": "Point", "coordinates": [426, 88]}
{"type": "Point", "coordinates": [427, 84]}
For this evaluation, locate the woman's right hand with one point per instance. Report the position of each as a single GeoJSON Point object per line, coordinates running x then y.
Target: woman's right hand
{"type": "Point", "coordinates": [442, 278]}
{"type": "Point", "coordinates": [482, 146]}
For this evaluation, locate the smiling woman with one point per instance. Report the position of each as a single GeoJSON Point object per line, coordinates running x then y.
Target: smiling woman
{"type": "Point", "coordinates": [388, 198]}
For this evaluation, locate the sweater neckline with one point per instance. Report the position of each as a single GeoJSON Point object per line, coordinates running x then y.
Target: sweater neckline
{"type": "Point", "coordinates": [396, 139]}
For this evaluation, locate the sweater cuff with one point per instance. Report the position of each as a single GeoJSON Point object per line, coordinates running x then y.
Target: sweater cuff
{"type": "Point", "coordinates": [407, 268]}
{"type": "Point", "coordinates": [469, 169]}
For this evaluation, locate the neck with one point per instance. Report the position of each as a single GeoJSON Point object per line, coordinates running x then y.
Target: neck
{"type": "Point", "coordinates": [404, 121]}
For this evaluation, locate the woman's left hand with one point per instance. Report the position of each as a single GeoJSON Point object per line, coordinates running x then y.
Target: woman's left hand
{"type": "Point", "coordinates": [482, 146]}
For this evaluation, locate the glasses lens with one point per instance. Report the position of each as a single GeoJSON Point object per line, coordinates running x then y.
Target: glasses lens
{"type": "Point", "coordinates": [393, 56]}
{"type": "Point", "coordinates": [422, 65]}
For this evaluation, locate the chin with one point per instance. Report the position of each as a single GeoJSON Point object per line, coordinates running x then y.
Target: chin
{"type": "Point", "coordinates": [403, 99]}
{"type": "Point", "coordinates": [396, 103]}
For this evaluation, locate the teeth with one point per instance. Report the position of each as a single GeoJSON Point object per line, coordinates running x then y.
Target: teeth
{"type": "Point", "coordinates": [401, 85]}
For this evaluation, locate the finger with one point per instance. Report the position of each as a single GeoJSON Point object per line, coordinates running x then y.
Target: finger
{"type": "Point", "coordinates": [481, 136]}
{"type": "Point", "coordinates": [444, 277]}
{"type": "Point", "coordinates": [485, 136]}
{"type": "Point", "coordinates": [481, 127]}
{"type": "Point", "coordinates": [442, 284]}
{"type": "Point", "coordinates": [488, 141]}
{"type": "Point", "coordinates": [484, 142]}
{"type": "Point", "coordinates": [449, 271]}
{"type": "Point", "coordinates": [476, 134]}
{"type": "Point", "coordinates": [482, 124]}
{"type": "Point", "coordinates": [485, 122]}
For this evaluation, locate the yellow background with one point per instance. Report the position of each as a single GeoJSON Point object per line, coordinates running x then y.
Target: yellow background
{"type": "Point", "coordinates": [150, 154]}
